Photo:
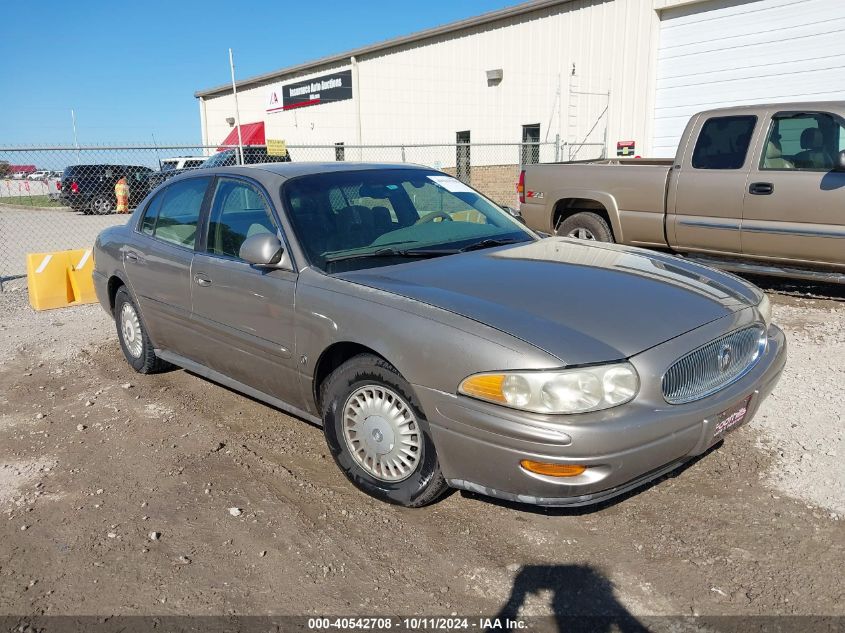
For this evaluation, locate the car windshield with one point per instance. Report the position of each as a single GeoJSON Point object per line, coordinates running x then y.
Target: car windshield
{"type": "Point", "coordinates": [358, 219]}
{"type": "Point", "coordinates": [221, 159]}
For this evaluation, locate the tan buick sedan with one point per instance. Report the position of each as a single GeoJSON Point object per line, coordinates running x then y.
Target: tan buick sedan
{"type": "Point", "coordinates": [437, 341]}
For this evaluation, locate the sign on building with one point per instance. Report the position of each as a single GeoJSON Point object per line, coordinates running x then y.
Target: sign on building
{"type": "Point", "coordinates": [324, 89]}
{"type": "Point", "coordinates": [626, 148]}
{"type": "Point", "coordinates": [276, 147]}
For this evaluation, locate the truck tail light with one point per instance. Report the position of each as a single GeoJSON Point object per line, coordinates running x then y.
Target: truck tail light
{"type": "Point", "coordinates": [74, 187]}
{"type": "Point", "coordinates": [59, 185]}
{"type": "Point", "coordinates": [520, 186]}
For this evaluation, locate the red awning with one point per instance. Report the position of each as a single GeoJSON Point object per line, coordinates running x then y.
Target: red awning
{"type": "Point", "coordinates": [251, 134]}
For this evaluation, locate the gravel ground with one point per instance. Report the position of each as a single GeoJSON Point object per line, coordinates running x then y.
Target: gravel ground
{"type": "Point", "coordinates": [95, 459]}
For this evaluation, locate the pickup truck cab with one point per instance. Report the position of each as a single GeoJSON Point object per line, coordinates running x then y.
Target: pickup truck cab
{"type": "Point", "coordinates": [752, 189]}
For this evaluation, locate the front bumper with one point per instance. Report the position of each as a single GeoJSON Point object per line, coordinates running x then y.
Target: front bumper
{"type": "Point", "coordinates": [480, 445]}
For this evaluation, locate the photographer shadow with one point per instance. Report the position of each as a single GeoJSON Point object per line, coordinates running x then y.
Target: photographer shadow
{"type": "Point", "coordinates": [582, 600]}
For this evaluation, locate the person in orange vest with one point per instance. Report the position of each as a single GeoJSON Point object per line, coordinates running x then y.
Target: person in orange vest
{"type": "Point", "coordinates": [121, 192]}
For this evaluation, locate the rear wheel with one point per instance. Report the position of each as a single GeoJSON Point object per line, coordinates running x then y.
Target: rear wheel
{"type": "Point", "coordinates": [585, 226]}
{"type": "Point", "coordinates": [132, 334]}
{"type": "Point", "coordinates": [101, 205]}
{"type": "Point", "coordinates": [377, 434]}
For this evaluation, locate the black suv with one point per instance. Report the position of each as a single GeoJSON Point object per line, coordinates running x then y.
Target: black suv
{"type": "Point", "coordinates": [253, 155]}
{"type": "Point", "coordinates": [90, 188]}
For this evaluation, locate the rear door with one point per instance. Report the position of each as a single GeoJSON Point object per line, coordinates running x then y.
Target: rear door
{"type": "Point", "coordinates": [244, 313]}
{"type": "Point", "coordinates": [795, 207]}
{"type": "Point", "coordinates": [708, 184]}
{"type": "Point", "coordinates": [158, 264]}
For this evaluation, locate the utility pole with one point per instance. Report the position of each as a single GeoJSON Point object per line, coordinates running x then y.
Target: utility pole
{"type": "Point", "coordinates": [75, 139]}
{"type": "Point", "coordinates": [237, 110]}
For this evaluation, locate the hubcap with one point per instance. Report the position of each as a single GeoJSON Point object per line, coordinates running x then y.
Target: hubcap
{"type": "Point", "coordinates": [582, 234]}
{"type": "Point", "coordinates": [381, 433]}
{"type": "Point", "coordinates": [130, 328]}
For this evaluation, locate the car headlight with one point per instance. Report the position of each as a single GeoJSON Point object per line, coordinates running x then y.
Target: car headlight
{"type": "Point", "coordinates": [559, 391]}
{"type": "Point", "coordinates": [765, 310]}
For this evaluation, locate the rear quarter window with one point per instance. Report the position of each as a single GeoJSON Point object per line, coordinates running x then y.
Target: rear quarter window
{"type": "Point", "coordinates": [723, 142]}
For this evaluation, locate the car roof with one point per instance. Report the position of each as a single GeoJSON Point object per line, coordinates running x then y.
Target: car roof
{"type": "Point", "coordinates": [794, 106]}
{"type": "Point", "coordinates": [294, 169]}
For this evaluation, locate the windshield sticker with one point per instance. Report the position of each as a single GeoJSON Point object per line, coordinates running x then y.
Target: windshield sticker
{"type": "Point", "coordinates": [450, 184]}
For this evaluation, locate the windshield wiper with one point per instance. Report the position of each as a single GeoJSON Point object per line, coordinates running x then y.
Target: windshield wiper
{"type": "Point", "coordinates": [488, 243]}
{"type": "Point", "coordinates": [392, 252]}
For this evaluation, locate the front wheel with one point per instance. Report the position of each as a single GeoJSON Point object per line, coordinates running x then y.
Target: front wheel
{"type": "Point", "coordinates": [377, 434]}
{"type": "Point", "coordinates": [585, 226]}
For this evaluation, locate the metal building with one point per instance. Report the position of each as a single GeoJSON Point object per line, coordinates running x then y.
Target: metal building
{"type": "Point", "coordinates": [602, 76]}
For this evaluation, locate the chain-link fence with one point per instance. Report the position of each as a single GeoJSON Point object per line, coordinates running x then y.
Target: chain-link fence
{"type": "Point", "coordinates": [57, 198]}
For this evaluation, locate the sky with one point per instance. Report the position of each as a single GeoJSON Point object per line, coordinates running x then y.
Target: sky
{"type": "Point", "coordinates": [129, 70]}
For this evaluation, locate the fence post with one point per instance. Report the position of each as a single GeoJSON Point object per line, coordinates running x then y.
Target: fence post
{"type": "Point", "coordinates": [403, 153]}
{"type": "Point", "coordinates": [557, 147]}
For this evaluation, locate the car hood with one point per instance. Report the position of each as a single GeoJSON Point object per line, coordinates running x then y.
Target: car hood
{"type": "Point", "coordinates": [581, 302]}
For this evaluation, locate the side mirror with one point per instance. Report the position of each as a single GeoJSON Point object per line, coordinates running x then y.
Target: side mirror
{"type": "Point", "coordinates": [263, 249]}
{"type": "Point", "coordinates": [840, 161]}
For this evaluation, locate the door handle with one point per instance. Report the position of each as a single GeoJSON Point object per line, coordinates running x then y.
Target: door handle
{"type": "Point", "coordinates": [131, 256]}
{"type": "Point", "coordinates": [761, 188]}
{"type": "Point", "coordinates": [201, 280]}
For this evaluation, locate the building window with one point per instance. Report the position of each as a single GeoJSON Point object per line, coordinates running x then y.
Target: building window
{"type": "Point", "coordinates": [339, 152]}
{"type": "Point", "coordinates": [530, 144]}
{"type": "Point", "coordinates": [462, 161]}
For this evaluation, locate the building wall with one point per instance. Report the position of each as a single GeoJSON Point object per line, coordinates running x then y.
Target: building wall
{"type": "Point", "coordinates": [715, 54]}
{"type": "Point", "coordinates": [427, 91]}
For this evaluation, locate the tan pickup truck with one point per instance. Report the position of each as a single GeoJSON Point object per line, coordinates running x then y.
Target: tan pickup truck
{"type": "Point", "coordinates": [752, 189]}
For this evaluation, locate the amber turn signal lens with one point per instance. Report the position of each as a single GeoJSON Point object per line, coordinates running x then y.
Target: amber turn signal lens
{"type": "Point", "coordinates": [485, 386]}
{"type": "Point", "coordinates": [552, 470]}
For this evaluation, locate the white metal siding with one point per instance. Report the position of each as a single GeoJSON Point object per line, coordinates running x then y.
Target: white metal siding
{"type": "Point", "coordinates": [732, 53]}
{"type": "Point", "coordinates": [427, 91]}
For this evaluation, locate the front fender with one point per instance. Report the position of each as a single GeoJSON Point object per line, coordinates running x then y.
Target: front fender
{"type": "Point", "coordinates": [429, 346]}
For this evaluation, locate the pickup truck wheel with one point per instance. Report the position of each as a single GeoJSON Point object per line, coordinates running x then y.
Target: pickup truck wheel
{"type": "Point", "coordinates": [377, 434]}
{"type": "Point", "coordinates": [585, 226]}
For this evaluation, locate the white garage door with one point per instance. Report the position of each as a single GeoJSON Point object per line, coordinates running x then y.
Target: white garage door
{"type": "Point", "coordinates": [730, 52]}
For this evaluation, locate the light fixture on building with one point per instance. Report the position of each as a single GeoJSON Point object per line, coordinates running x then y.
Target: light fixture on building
{"type": "Point", "coordinates": [231, 121]}
{"type": "Point", "coordinates": [494, 77]}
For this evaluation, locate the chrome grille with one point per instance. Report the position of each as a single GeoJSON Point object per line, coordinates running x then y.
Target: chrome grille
{"type": "Point", "coordinates": [713, 366]}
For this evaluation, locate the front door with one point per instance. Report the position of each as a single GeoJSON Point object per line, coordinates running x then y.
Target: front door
{"type": "Point", "coordinates": [708, 185]}
{"type": "Point", "coordinates": [158, 263]}
{"type": "Point", "coordinates": [795, 207]}
{"type": "Point", "coordinates": [245, 313]}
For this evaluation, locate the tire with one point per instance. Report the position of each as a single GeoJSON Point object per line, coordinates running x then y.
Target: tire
{"type": "Point", "coordinates": [585, 226]}
{"type": "Point", "coordinates": [134, 341]}
{"type": "Point", "coordinates": [418, 480]}
{"type": "Point", "coordinates": [101, 205]}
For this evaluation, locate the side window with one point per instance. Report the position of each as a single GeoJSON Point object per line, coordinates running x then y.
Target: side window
{"type": "Point", "coordinates": [723, 142]}
{"type": "Point", "coordinates": [148, 223]}
{"type": "Point", "coordinates": [239, 211]}
{"type": "Point", "coordinates": [803, 141]}
{"type": "Point", "coordinates": [177, 212]}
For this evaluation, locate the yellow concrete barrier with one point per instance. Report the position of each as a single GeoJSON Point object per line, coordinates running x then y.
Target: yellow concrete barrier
{"type": "Point", "coordinates": [60, 279]}
{"type": "Point", "coordinates": [81, 266]}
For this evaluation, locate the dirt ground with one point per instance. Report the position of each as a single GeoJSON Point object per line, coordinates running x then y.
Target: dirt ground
{"type": "Point", "coordinates": [116, 490]}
